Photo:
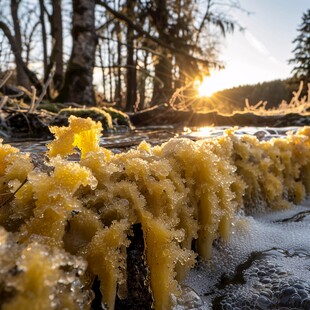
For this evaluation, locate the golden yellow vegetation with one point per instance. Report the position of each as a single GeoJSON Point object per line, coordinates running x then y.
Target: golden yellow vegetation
{"type": "Point", "coordinates": [81, 213]}
{"type": "Point", "coordinates": [297, 104]}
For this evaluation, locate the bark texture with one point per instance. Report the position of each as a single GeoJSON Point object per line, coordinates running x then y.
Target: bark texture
{"type": "Point", "coordinates": [57, 43]}
{"type": "Point", "coordinates": [25, 77]}
{"type": "Point", "coordinates": [163, 68]}
{"type": "Point", "coordinates": [16, 45]}
{"type": "Point", "coordinates": [78, 83]}
{"type": "Point", "coordinates": [131, 62]}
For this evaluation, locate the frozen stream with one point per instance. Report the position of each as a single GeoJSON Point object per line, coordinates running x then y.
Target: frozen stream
{"type": "Point", "coordinates": [124, 140]}
{"type": "Point", "coordinates": [265, 265]}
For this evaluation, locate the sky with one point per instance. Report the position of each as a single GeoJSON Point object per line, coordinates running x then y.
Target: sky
{"type": "Point", "coordinates": [262, 51]}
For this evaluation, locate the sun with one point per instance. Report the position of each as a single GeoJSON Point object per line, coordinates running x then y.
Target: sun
{"type": "Point", "coordinates": [213, 83]}
{"type": "Point", "coordinates": [207, 87]}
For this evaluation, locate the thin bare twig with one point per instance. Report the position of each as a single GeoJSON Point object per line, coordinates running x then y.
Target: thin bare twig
{"type": "Point", "coordinates": [33, 99]}
{"type": "Point", "coordinates": [25, 91]}
{"type": "Point", "coordinates": [295, 218]}
{"type": "Point", "coordinates": [3, 101]}
{"type": "Point", "coordinates": [34, 106]}
{"type": "Point", "coordinates": [178, 94]}
{"type": "Point", "coordinates": [5, 78]}
{"type": "Point", "coordinates": [11, 196]}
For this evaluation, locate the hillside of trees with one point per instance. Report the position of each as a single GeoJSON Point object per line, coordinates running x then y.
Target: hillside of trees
{"type": "Point", "coordinates": [272, 92]}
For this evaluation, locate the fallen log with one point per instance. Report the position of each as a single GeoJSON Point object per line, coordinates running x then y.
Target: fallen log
{"type": "Point", "coordinates": [164, 114]}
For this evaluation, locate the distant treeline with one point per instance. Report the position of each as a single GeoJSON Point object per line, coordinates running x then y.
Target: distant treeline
{"type": "Point", "coordinates": [273, 92]}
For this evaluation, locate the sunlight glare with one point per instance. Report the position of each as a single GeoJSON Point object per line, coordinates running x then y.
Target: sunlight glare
{"type": "Point", "coordinates": [211, 84]}
{"type": "Point", "coordinates": [205, 131]}
{"type": "Point", "coordinates": [207, 87]}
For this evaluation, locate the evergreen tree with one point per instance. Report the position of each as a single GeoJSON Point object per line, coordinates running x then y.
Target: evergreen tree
{"type": "Point", "coordinates": [301, 52]}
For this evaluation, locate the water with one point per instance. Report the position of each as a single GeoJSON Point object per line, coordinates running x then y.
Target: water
{"type": "Point", "coordinates": [121, 141]}
{"type": "Point", "coordinates": [265, 265]}
{"type": "Point", "coordinates": [118, 141]}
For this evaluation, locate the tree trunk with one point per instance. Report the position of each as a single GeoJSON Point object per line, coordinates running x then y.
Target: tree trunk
{"type": "Point", "coordinates": [118, 87]}
{"type": "Point", "coordinates": [78, 84]}
{"type": "Point", "coordinates": [131, 76]}
{"type": "Point", "coordinates": [44, 36]}
{"type": "Point", "coordinates": [110, 64]}
{"type": "Point", "coordinates": [27, 76]}
{"type": "Point", "coordinates": [102, 71]}
{"type": "Point", "coordinates": [142, 84]}
{"type": "Point", "coordinates": [163, 72]}
{"type": "Point", "coordinates": [57, 46]}
{"type": "Point", "coordinates": [163, 68]}
{"type": "Point", "coordinates": [22, 78]}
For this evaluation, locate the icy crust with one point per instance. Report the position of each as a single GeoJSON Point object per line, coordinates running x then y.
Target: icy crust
{"type": "Point", "coordinates": [36, 276]}
{"type": "Point", "coordinates": [264, 265]}
{"type": "Point", "coordinates": [184, 194]}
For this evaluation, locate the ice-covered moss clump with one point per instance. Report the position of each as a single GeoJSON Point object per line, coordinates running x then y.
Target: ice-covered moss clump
{"type": "Point", "coordinates": [34, 275]}
{"type": "Point", "coordinates": [183, 194]}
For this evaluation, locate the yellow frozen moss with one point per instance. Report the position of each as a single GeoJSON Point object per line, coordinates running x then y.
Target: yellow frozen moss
{"type": "Point", "coordinates": [41, 277]}
{"type": "Point", "coordinates": [55, 197]}
{"type": "Point", "coordinates": [81, 133]}
{"type": "Point", "coordinates": [14, 168]}
{"type": "Point", "coordinates": [34, 286]}
{"type": "Point", "coordinates": [275, 172]}
{"type": "Point", "coordinates": [184, 194]}
{"type": "Point", "coordinates": [163, 251]}
{"type": "Point", "coordinates": [106, 256]}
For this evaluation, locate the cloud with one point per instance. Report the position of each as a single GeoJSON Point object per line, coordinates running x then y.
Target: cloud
{"type": "Point", "coordinates": [260, 47]}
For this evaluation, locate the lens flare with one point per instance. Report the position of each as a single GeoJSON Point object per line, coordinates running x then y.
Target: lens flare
{"type": "Point", "coordinates": [213, 83]}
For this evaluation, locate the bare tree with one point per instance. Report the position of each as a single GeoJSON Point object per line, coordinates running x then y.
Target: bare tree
{"type": "Point", "coordinates": [147, 48]}
{"type": "Point", "coordinates": [131, 81]}
{"type": "Point", "coordinates": [177, 38]}
{"type": "Point", "coordinates": [78, 83]}
{"type": "Point", "coordinates": [17, 38]}
{"type": "Point", "coordinates": [163, 67]}
{"type": "Point", "coordinates": [16, 44]}
{"type": "Point", "coordinates": [44, 35]}
{"type": "Point", "coordinates": [118, 86]}
{"type": "Point", "coordinates": [56, 56]}
{"type": "Point", "coordinates": [25, 77]}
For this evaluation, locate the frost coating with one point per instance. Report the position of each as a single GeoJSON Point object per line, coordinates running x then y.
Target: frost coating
{"type": "Point", "coordinates": [184, 194]}
{"type": "Point", "coordinates": [81, 133]}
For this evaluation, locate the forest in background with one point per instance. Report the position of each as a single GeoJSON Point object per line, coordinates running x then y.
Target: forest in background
{"type": "Point", "coordinates": [133, 54]}
{"type": "Point", "coordinates": [140, 51]}
{"type": "Point", "coordinates": [234, 99]}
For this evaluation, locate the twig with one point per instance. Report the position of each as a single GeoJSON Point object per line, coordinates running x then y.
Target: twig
{"type": "Point", "coordinates": [4, 134]}
{"type": "Point", "coordinates": [3, 101]}
{"type": "Point", "coordinates": [34, 106]}
{"type": "Point", "coordinates": [25, 91]}
{"type": "Point", "coordinates": [178, 94]}
{"type": "Point", "coordinates": [5, 78]}
{"type": "Point", "coordinates": [295, 218]}
{"type": "Point", "coordinates": [33, 99]}
{"type": "Point", "coordinates": [3, 203]}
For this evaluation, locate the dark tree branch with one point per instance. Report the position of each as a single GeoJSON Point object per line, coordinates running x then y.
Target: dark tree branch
{"type": "Point", "coordinates": [204, 19]}
{"type": "Point", "coordinates": [147, 35]}
{"type": "Point", "coordinates": [44, 35]}
{"type": "Point", "coordinates": [19, 61]}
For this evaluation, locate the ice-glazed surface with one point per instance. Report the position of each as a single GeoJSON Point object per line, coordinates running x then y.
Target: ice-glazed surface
{"type": "Point", "coordinates": [265, 264]}
{"type": "Point", "coordinates": [122, 141]}
{"type": "Point", "coordinates": [140, 220]}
